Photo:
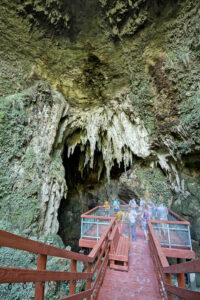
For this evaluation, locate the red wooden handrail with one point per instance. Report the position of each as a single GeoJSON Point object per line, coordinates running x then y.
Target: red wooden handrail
{"type": "Point", "coordinates": [96, 217]}
{"type": "Point", "coordinates": [164, 271]}
{"type": "Point", "coordinates": [157, 246]}
{"type": "Point", "coordinates": [178, 253]}
{"type": "Point", "coordinates": [11, 240]}
{"type": "Point", "coordinates": [187, 267]}
{"type": "Point", "coordinates": [97, 260]}
{"type": "Point", "coordinates": [176, 216]}
{"type": "Point", "coordinates": [159, 259]}
{"type": "Point", "coordinates": [170, 222]}
{"type": "Point", "coordinates": [88, 213]}
{"type": "Point", "coordinates": [182, 293]}
{"type": "Point", "coordinates": [92, 255]}
{"type": "Point", "coordinates": [79, 296]}
{"type": "Point", "coordinates": [17, 275]}
{"type": "Point", "coordinates": [113, 233]}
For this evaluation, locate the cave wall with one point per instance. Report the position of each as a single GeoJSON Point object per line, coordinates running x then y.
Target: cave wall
{"type": "Point", "coordinates": [30, 169]}
{"type": "Point", "coordinates": [117, 77]}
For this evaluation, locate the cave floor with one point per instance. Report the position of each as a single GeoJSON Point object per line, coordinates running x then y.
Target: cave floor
{"type": "Point", "coordinates": [139, 282]}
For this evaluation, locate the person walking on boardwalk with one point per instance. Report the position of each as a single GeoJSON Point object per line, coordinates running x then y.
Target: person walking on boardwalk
{"type": "Point", "coordinates": [116, 205]}
{"type": "Point", "coordinates": [145, 218]}
{"type": "Point", "coordinates": [140, 211]}
{"type": "Point", "coordinates": [107, 208]}
{"type": "Point", "coordinates": [133, 221]}
{"type": "Point", "coordinates": [162, 212]}
{"type": "Point", "coordinates": [142, 203]}
{"type": "Point", "coordinates": [162, 215]}
{"type": "Point", "coordinates": [152, 211]}
{"type": "Point", "coordinates": [132, 203]}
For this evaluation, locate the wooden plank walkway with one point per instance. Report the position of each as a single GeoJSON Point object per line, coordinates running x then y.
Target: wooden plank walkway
{"type": "Point", "coordinates": [139, 282]}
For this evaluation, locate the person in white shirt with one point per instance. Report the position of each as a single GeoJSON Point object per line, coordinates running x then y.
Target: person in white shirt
{"type": "Point", "coordinates": [142, 203]}
{"type": "Point", "coordinates": [140, 211]}
{"type": "Point", "coordinates": [162, 212]}
{"type": "Point", "coordinates": [152, 210]}
{"type": "Point", "coordinates": [162, 215]}
{"type": "Point", "coordinates": [132, 203]}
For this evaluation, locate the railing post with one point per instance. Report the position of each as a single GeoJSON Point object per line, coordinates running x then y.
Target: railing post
{"type": "Point", "coordinates": [169, 281]}
{"type": "Point", "coordinates": [39, 286]}
{"type": "Point", "coordinates": [81, 227]}
{"type": "Point", "coordinates": [72, 289]}
{"type": "Point", "coordinates": [181, 280]}
{"type": "Point", "coordinates": [181, 277]}
{"type": "Point", "coordinates": [189, 237]}
{"type": "Point", "coordinates": [97, 229]}
{"type": "Point", "coordinates": [88, 285]}
{"type": "Point", "coordinates": [169, 239]}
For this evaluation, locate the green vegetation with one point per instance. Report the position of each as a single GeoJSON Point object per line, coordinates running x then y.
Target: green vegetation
{"type": "Point", "coordinates": [155, 184]}
{"type": "Point", "coordinates": [19, 203]}
{"type": "Point", "coordinates": [182, 67]}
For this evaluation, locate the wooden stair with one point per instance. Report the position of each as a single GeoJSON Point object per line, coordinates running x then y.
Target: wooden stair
{"type": "Point", "coordinates": [139, 283]}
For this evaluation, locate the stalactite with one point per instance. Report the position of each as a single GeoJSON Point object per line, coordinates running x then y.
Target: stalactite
{"type": "Point", "coordinates": [110, 132]}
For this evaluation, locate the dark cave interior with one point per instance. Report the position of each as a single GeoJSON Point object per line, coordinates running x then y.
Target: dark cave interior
{"type": "Point", "coordinates": [85, 191]}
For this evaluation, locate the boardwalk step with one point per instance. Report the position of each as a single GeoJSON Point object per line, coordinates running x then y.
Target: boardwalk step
{"type": "Point", "coordinates": [118, 267]}
{"type": "Point", "coordinates": [138, 282]}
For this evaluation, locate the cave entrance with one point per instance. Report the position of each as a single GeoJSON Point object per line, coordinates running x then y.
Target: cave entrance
{"type": "Point", "coordinates": [87, 188]}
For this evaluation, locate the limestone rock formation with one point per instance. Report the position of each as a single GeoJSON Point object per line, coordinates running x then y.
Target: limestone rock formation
{"type": "Point", "coordinates": [29, 169]}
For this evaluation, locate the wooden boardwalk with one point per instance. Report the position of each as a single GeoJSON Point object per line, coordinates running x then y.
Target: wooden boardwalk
{"type": "Point", "coordinates": [139, 283]}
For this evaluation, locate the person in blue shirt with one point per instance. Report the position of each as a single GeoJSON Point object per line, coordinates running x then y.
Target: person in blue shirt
{"type": "Point", "coordinates": [116, 205]}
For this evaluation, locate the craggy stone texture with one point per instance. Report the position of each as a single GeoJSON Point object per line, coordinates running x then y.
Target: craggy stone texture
{"type": "Point", "coordinates": [125, 17]}
{"type": "Point", "coordinates": [30, 168]}
{"type": "Point", "coordinates": [145, 182]}
{"type": "Point", "coordinates": [52, 13]}
{"type": "Point", "coordinates": [113, 90]}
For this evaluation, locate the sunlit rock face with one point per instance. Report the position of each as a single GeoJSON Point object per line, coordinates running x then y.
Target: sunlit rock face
{"type": "Point", "coordinates": [105, 104]}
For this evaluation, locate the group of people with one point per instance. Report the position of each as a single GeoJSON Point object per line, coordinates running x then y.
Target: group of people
{"type": "Point", "coordinates": [139, 213]}
{"type": "Point", "coordinates": [142, 213]}
{"type": "Point", "coordinates": [116, 207]}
